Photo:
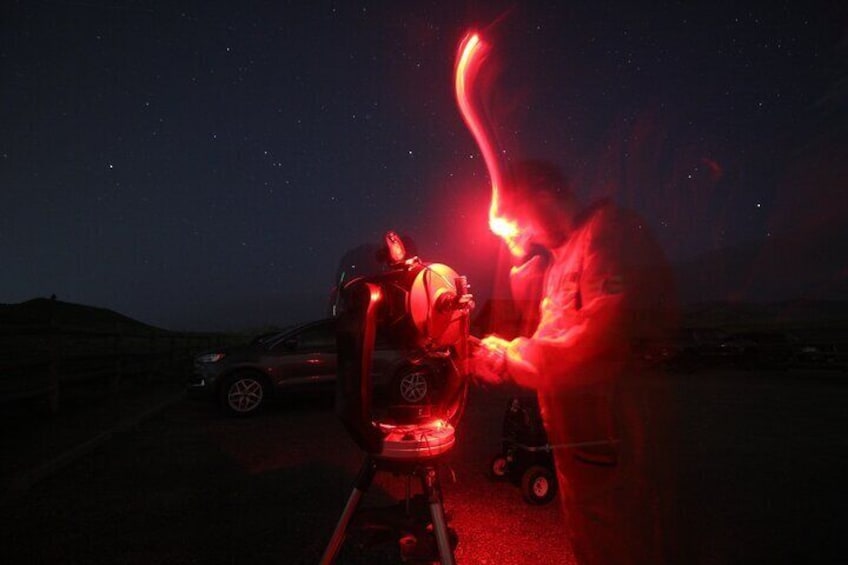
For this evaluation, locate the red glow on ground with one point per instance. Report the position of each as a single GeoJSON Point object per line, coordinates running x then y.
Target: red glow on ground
{"type": "Point", "coordinates": [470, 57]}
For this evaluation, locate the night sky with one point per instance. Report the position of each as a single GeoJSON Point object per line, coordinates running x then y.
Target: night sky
{"type": "Point", "coordinates": [205, 165]}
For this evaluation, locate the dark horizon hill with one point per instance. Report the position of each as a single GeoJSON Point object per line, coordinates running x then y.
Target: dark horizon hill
{"type": "Point", "coordinates": [46, 311]}
{"type": "Point", "coordinates": [41, 312]}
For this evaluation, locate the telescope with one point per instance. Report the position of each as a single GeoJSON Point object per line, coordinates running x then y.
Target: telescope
{"type": "Point", "coordinates": [421, 312]}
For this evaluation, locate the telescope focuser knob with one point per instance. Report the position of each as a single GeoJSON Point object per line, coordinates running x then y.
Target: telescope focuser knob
{"type": "Point", "coordinates": [459, 300]}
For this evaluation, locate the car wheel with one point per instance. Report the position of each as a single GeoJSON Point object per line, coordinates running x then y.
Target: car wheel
{"type": "Point", "coordinates": [538, 485]}
{"type": "Point", "coordinates": [244, 394]}
{"type": "Point", "coordinates": [498, 467]}
{"type": "Point", "coordinates": [413, 386]}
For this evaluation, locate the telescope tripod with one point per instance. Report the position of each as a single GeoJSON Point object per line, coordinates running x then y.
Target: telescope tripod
{"type": "Point", "coordinates": [407, 521]}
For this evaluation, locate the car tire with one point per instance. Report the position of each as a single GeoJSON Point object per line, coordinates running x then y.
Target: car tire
{"type": "Point", "coordinates": [498, 468]}
{"type": "Point", "coordinates": [244, 393]}
{"type": "Point", "coordinates": [538, 485]}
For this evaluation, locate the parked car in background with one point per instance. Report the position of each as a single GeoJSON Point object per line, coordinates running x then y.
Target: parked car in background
{"type": "Point", "coordinates": [764, 349]}
{"type": "Point", "coordinates": [245, 378]}
{"type": "Point", "coordinates": [701, 348]}
{"type": "Point", "coordinates": [818, 355]}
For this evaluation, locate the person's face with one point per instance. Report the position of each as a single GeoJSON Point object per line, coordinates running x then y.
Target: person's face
{"type": "Point", "coordinates": [520, 226]}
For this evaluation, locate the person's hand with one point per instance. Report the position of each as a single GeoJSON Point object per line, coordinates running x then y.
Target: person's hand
{"type": "Point", "coordinates": [488, 360]}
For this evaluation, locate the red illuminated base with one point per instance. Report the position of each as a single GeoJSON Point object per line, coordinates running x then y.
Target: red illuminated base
{"type": "Point", "coordinates": [410, 443]}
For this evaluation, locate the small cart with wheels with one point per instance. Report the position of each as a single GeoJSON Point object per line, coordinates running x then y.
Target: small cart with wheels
{"type": "Point", "coordinates": [526, 458]}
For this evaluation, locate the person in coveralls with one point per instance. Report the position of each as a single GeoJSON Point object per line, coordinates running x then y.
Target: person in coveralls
{"type": "Point", "coordinates": [605, 301]}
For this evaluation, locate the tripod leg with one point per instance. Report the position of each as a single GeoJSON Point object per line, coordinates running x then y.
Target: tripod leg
{"type": "Point", "coordinates": [363, 481]}
{"type": "Point", "coordinates": [433, 491]}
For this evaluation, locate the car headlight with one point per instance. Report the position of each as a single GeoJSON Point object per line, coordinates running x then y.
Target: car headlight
{"type": "Point", "coordinates": [210, 358]}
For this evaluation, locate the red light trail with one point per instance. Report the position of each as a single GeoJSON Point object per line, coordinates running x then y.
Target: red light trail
{"type": "Point", "coordinates": [470, 57]}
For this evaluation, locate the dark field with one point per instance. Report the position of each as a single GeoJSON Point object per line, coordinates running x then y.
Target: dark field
{"type": "Point", "coordinates": [763, 461]}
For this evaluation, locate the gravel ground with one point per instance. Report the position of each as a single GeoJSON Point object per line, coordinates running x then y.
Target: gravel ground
{"type": "Point", "coordinates": [762, 467]}
{"type": "Point", "coordinates": [35, 444]}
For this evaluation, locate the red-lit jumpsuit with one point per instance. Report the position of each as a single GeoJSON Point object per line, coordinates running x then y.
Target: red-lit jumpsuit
{"type": "Point", "coordinates": [606, 289]}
